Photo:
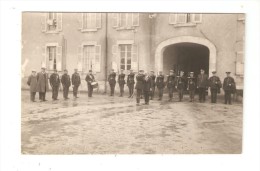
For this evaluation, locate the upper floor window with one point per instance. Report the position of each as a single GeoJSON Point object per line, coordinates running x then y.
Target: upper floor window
{"type": "Point", "coordinates": [90, 21]}
{"type": "Point", "coordinates": [183, 19]}
{"type": "Point", "coordinates": [52, 22]}
{"type": "Point", "coordinates": [125, 20]}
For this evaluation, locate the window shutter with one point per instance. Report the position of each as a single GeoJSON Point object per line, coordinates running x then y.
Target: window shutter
{"type": "Point", "coordinates": [43, 22]}
{"type": "Point", "coordinates": [239, 68]}
{"type": "Point", "coordinates": [80, 53]}
{"type": "Point", "coordinates": [97, 58]}
{"type": "Point", "coordinates": [81, 20]}
{"type": "Point", "coordinates": [181, 18]}
{"type": "Point", "coordinates": [196, 18]}
{"type": "Point", "coordinates": [44, 56]}
{"type": "Point", "coordinates": [135, 19]}
{"type": "Point", "coordinates": [59, 21]}
{"type": "Point", "coordinates": [172, 18]}
{"type": "Point", "coordinates": [59, 58]}
{"type": "Point", "coordinates": [115, 18]}
{"type": "Point", "coordinates": [98, 20]}
{"type": "Point", "coordinates": [134, 57]}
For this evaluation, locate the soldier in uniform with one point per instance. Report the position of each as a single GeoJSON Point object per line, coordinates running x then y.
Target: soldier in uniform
{"type": "Point", "coordinates": [191, 86]}
{"type": "Point", "coordinates": [152, 76]}
{"type": "Point", "coordinates": [112, 82]}
{"type": "Point", "coordinates": [215, 85]}
{"type": "Point", "coordinates": [180, 85]}
{"type": "Point", "coordinates": [160, 84]}
{"type": "Point", "coordinates": [32, 82]}
{"type": "Point", "coordinates": [139, 85]}
{"type": "Point", "coordinates": [202, 84]}
{"type": "Point", "coordinates": [170, 84]}
{"type": "Point", "coordinates": [42, 84]}
{"type": "Point", "coordinates": [89, 79]}
{"type": "Point", "coordinates": [147, 88]}
{"type": "Point", "coordinates": [55, 84]}
{"type": "Point", "coordinates": [65, 81]}
{"type": "Point", "coordinates": [131, 82]}
{"type": "Point", "coordinates": [76, 81]}
{"type": "Point", "coordinates": [229, 87]}
{"type": "Point", "coordinates": [121, 82]}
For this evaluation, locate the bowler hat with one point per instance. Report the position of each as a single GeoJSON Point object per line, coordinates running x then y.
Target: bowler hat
{"type": "Point", "coordinates": [214, 72]}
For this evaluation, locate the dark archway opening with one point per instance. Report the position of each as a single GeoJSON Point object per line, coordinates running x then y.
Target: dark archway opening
{"type": "Point", "coordinates": [189, 57]}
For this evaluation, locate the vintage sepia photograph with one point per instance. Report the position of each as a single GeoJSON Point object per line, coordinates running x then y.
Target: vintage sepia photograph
{"type": "Point", "coordinates": [132, 83]}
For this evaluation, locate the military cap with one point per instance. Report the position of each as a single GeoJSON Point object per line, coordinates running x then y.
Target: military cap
{"type": "Point", "coordinates": [141, 70]}
{"type": "Point", "coordinates": [65, 70]}
{"type": "Point", "coordinates": [228, 72]}
{"type": "Point", "coordinates": [214, 72]}
{"type": "Point", "coordinates": [90, 70]}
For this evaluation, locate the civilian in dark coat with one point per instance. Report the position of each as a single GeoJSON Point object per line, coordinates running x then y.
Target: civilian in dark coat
{"type": "Point", "coordinates": [147, 88]}
{"type": "Point", "coordinates": [152, 76]}
{"type": "Point", "coordinates": [76, 81]}
{"type": "Point", "coordinates": [89, 79]}
{"type": "Point", "coordinates": [112, 82]}
{"type": "Point", "coordinates": [32, 82]}
{"type": "Point", "coordinates": [215, 85]}
{"type": "Point", "coordinates": [121, 82]}
{"type": "Point", "coordinates": [139, 85]}
{"type": "Point", "coordinates": [66, 83]}
{"type": "Point", "coordinates": [180, 84]}
{"type": "Point", "coordinates": [202, 85]}
{"type": "Point", "coordinates": [160, 84]}
{"type": "Point", "coordinates": [191, 86]}
{"type": "Point", "coordinates": [42, 84]}
{"type": "Point", "coordinates": [170, 84]}
{"type": "Point", "coordinates": [229, 87]}
{"type": "Point", "coordinates": [130, 83]}
{"type": "Point", "coordinates": [55, 84]}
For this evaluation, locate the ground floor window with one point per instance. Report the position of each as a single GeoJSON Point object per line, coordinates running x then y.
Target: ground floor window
{"type": "Point", "coordinates": [88, 57]}
{"type": "Point", "coordinates": [125, 56]}
{"type": "Point", "coordinates": [51, 51]}
{"type": "Point", "coordinates": [52, 56]}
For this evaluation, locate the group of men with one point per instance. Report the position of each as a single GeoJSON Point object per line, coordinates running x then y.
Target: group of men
{"type": "Point", "coordinates": [145, 84]}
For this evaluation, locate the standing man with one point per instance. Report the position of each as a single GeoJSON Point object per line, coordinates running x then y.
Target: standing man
{"type": "Point", "coordinates": [131, 82]}
{"type": "Point", "coordinates": [32, 82]}
{"type": "Point", "coordinates": [89, 79]}
{"type": "Point", "coordinates": [139, 85]}
{"type": "Point", "coordinates": [55, 84]}
{"type": "Point", "coordinates": [152, 76]}
{"type": "Point", "coordinates": [170, 84]}
{"type": "Point", "coordinates": [147, 88]}
{"type": "Point", "coordinates": [180, 85]}
{"type": "Point", "coordinates": [215, 85]}
{"type": "Point", "coordinates": [229, 87]}
{"type": "Point", "coordinates": [42, 84]}
{"type": "Point", "coordinates": [121, 82]}
{"type": "Point", "coordinates": [202, 84]}
{"type": "Point", "coordinates": [191, 86]}
{"type": "Point", "coordinates": [65, 80]}
{"type": "Point", "coordinates": [76, 81]}
{"type": "Point", "coordinates": [160, 84]}
{"type": "Point", "coordinates": [112, 82]}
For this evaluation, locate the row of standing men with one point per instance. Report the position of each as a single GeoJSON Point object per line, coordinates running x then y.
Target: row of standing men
{"type": "Point", "coordinates": [145, 84]}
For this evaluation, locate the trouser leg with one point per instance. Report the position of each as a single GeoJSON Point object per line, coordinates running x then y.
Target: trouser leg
{"type": "Point", "coordinates": [146, 96]}
{"type": "Point", "coordinates": [43, 95]}
{"type": "Point", "coordinates": [152, 93]}
{"type": "Point", "coordinates": [229, 97]}
{"type": "Point", "coordinates": [138, 95]}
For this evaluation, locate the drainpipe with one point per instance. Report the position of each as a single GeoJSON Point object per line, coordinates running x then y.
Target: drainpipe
{"type": "Point", "coordinates": [106, 56]}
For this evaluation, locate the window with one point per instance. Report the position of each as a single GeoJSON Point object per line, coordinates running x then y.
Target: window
{"type": "Point", "coordinates": [185, 19]}
{"type": "Point", "coordinates": [52, 22]}
{"type": "Point", "coordinates": [51, 50]}
{"type": "Point", "coordinates": [125, 56]}
{"type": "Point", "coordinates": [125, 20]}
{"type": "Point", "coordinates": [52, 55]}
{"type": "Point", "coordinates": [90, 21]}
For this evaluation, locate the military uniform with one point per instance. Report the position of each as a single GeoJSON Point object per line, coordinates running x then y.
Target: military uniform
{"type": "Point", "coordinates": [32, 82]}
{"type": "Point", "coordinates": [130, 83]}
{"type": "Point", "coordinates": [76, 81]}
{"type": "Point", "coordinates": [89, 79]}
{"type": "Point", "coordinates": [66, 83]}
{"type": "Point", "coordinates": [191, 87]}
{"type": "Point", "coordinates": [229, 87]}
{"type": "Point", "coordinates": [202, 84]}
{"type": "Point", "coordinates": [152, 86]}
{"type": "Point", "coordinates": [112, 82]}
{"type": "Point", "coordinates": [160, 85]}
{"type": "Point", "coordinates": [121, 82]}
{"type": "Point", "coordinates": [139, 86]}
{"type": "Point", "coordinates": [215, 85]}
{"type": "Point", "coordinates": [147, 88]}
{"type": "Point", "coordinates": [170, 85]}
{"type": "Point", "coordinates": [55, 84]}
{"type": "Point", "coordinates": [180, 85]}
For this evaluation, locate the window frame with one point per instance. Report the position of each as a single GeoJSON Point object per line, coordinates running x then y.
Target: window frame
{"type": "Point", "coordinates": [85, 18]}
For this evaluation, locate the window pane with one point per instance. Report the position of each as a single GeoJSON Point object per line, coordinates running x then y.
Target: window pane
{"type": "Point", "coordinates": [129, 20]}
{"type": "Point", "coordinates": [128, 61]}
{"type": "Point", "coordinates": [122, 60]}
{"type": "Point", "coordinates": [128, 67]}
{"type": "Point", "coordinates": [122, 54]}
{"type": "Point", "coordinates": [123, 19]}
{"type": "Point", "coordinates": [122, 67]}
{"type": "Point", "coordinates": [129, 48]}
{"type": "Point", "coordinates": [128, 54]}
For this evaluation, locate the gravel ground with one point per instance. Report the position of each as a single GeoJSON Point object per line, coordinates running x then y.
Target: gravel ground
{"type": "Point", "coordinates": [115, 125]}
